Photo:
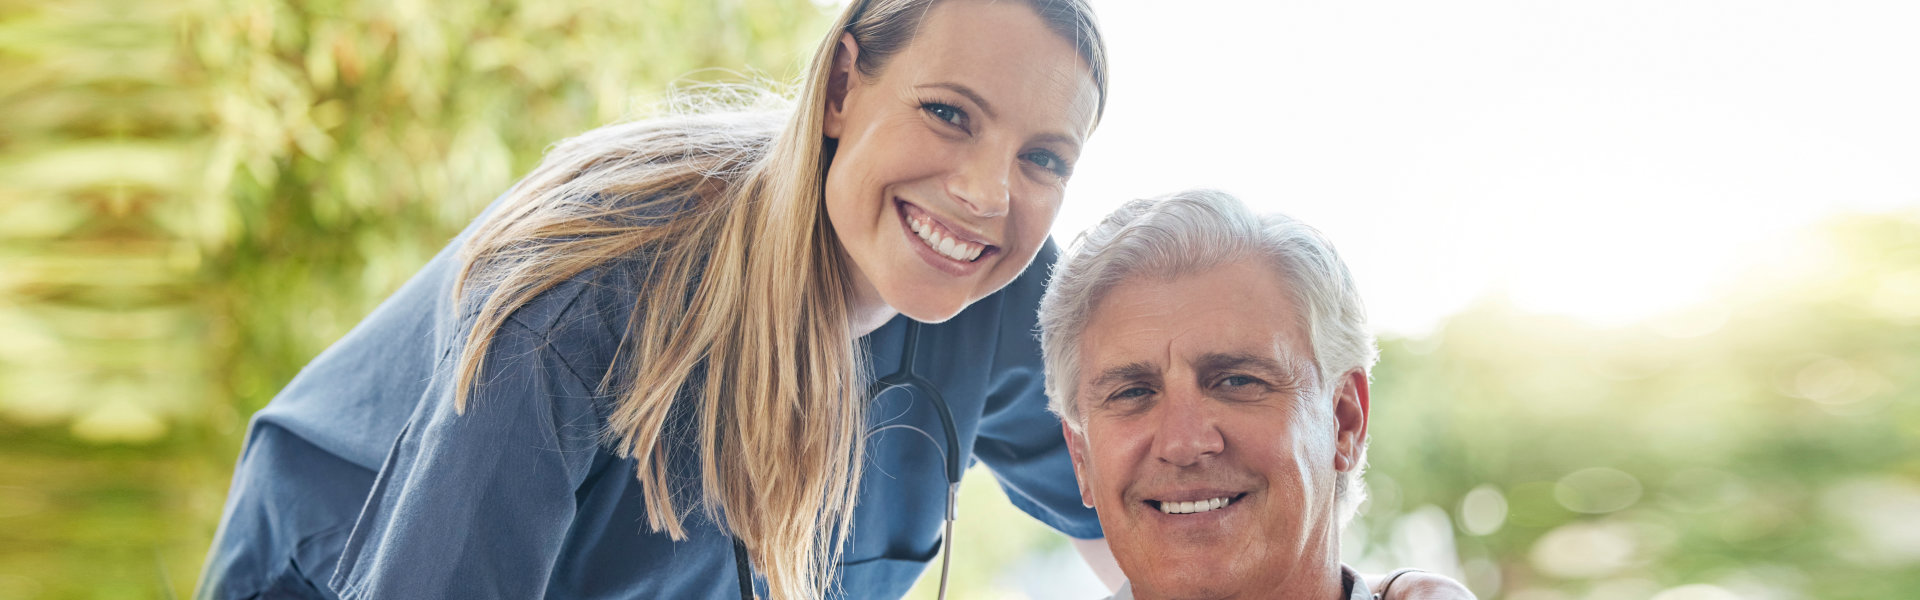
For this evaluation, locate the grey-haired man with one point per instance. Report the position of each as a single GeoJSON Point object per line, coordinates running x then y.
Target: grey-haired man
{"type": "Point", "coordinates": [1210, 367]}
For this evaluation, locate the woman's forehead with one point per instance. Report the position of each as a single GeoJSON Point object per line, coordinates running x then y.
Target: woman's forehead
{"type": "Point", "coordinates": [1007, 57]}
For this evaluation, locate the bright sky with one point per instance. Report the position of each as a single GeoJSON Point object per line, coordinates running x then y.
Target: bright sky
{"type": "Point", "coordinates": [1608, 160]}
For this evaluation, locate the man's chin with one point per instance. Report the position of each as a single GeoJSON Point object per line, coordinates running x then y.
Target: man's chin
{"type": "Point", "coordinates": [1183, 575]}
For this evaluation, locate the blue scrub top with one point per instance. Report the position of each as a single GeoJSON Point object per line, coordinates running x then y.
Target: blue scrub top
{"type": "Point", "coordinates": [360, 481]}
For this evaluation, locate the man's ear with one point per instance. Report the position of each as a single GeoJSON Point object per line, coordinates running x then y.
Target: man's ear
{"type": "Point", "coordinates": [1351, 406]}
{"type": "Point", "coordinates": [840, 79]}
{"type": "Point", "coordinates": [1075, 448]}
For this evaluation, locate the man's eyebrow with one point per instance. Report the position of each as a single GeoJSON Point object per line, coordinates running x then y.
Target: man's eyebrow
{"type": "Point", "coordinates": [986, 107]}
{"type": "Point", "coordinates": [1129, 371]}
{"type": "Point", "coordinates": [1240, 361]}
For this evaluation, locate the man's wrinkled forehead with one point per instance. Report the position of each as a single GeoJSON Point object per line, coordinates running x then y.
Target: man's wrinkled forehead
{"type": "Point", "coordinates": [1209, 321]}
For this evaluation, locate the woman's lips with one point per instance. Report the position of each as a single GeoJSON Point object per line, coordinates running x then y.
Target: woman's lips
{"type": "Point", "coordinates": [948, 249]}
{"type": "Point", "coordinates": [949, 241]}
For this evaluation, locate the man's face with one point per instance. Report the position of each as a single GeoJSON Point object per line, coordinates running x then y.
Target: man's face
{"type": "Point", "coordinates": [1211, 447]}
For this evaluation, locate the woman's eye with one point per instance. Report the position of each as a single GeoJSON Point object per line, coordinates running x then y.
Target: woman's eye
{"type": "Point", "coordinates": [1050, 161]}
{"type": "Point", "coordinates": [946, 112]}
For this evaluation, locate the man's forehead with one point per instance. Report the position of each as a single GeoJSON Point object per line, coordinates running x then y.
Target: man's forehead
{"type": "Point", "coordinates": [1238, 310]}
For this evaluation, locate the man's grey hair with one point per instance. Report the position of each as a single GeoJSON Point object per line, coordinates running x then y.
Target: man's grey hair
{"type": "Point", "coordinates": [1188, 232]}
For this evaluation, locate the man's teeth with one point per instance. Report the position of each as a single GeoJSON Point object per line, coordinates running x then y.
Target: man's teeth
{"type": "Point", "coordinates": [1197, 506]}
{"type": "Point", "coordinates": [951, 248]}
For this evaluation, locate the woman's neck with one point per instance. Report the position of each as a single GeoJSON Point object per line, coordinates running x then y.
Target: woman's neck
{"type": "Point", "coordinates": [865, 322]}
{"type": "Point", "coordinates": [866, 310]}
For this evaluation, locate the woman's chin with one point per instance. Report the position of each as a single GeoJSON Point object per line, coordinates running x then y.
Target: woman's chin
{"type": "Point", "coordinates": [931, 310]}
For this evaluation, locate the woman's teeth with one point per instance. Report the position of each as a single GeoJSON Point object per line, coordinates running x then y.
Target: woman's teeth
{"type": "Point", "coordinates": [1197, 506]}
{"type": "Point", "coordinates": [938, 240]}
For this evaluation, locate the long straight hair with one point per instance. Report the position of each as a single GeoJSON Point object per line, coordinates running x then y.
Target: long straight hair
{"type": "Point", "coordinates": [745, 304]}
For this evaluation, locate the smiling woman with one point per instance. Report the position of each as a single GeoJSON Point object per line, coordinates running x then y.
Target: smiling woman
{"type": "Point", "coordinates": [921, 192]}
{"type": "Point", "coordinates": [664, 324]}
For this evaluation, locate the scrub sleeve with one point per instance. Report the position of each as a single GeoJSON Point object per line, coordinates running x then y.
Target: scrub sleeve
{"type": "Point", "coordinates": [477, 505]}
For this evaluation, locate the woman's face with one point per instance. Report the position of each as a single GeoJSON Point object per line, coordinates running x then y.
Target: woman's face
{"type": "Point", "coordinates": [952, 161]}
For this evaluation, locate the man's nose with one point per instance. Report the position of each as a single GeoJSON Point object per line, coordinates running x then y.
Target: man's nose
{"type": "Point", "coordinates": [981, 183]}
{"type": "Point", "coordinates": [1188, 431]}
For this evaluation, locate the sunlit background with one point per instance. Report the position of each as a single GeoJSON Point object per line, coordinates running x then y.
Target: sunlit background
{"type": "Point", "coordinates": [1647, 272]}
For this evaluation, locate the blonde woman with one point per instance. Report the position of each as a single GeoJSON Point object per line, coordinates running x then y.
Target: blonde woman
{"type": "Point", "coordinates": [643, 373]}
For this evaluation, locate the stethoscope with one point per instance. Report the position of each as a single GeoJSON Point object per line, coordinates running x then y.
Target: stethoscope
{"type": "Point", "coordinates": [904, 377]}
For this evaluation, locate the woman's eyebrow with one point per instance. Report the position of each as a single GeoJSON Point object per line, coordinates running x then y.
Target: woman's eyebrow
{"type": "Point", "coordinates": [1069, 141]}
{"type": "Point", "coordinates": [985, 107]}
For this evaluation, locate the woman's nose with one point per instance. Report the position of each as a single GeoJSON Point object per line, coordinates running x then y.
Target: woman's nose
{"type": "Point", "coordinates": [1188, 431]}
{"type": "Point", "coordinates": [982, 184]}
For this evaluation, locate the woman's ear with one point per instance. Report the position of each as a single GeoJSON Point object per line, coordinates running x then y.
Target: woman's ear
{"type": "Point", "coordinates": [839, 82]}
{"type": "Point", "coordinates": [1352, 406]}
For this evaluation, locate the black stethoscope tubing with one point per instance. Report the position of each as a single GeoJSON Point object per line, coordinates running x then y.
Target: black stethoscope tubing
{"type": "Point", "coordinates": [903, 377]}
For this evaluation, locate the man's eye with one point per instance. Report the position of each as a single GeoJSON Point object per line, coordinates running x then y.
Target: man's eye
{"type": "Point", "coordinates": [1131, 393]}
{"type": "Point", "coordinates": [1233, 381]}
{"type": "Point", "coordinates": [946, 112]}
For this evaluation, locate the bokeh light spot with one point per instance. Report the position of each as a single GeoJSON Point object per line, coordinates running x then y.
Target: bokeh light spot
{"type": "Point", "coordinates": [119, 421]}
{"type": "Point", "coordinates": [1880, 519]}
{"type": "Point", "coordinates": [1483, 510]}
{"type": "Point", "coordinates": [1700, 490]}
{"type": "Point", "coordinates": [1583, 550]}
{"type": "Point", "coordinates": [1830, 381]}
{"type": "Point", "coordinates": [1597, 490]}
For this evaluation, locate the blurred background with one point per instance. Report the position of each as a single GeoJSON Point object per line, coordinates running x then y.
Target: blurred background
{"type": "Point", "coordinates": [1647, 274]}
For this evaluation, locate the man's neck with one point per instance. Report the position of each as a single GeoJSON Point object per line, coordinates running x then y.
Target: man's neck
{"type": "Point", "coordinates": [1320, 581]}
{"type": "Point", "coordinates": [1314, 576]}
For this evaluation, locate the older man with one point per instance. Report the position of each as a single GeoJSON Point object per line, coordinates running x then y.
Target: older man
{"type": "Point", "coordinates": [1210, 368]}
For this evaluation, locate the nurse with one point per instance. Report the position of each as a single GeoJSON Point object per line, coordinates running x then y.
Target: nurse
{"type": "Point", "coordinates": [642, 372]}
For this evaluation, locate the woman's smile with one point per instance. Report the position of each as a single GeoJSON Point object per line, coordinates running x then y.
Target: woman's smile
{"type": "Point", "coordinates": [943, 245]}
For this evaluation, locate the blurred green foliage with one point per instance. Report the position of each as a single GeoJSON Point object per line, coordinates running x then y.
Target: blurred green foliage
{"type": "Point", "coordinates": [1766, 443]}
{"type": "Point", "coordinates": [201, 195]}
{"type": "Point", "coordinates": [198, 196]}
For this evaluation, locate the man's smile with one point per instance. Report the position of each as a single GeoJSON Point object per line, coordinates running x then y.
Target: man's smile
{"type": "Point", "coordinates": [1187, 507]}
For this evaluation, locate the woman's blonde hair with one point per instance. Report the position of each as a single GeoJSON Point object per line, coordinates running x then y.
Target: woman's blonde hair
{"type": "Point", "coordinates": [745, 305]}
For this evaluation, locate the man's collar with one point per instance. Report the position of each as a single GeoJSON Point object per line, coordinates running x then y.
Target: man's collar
{"type": "Point", "coordinates": [1352, 586]}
